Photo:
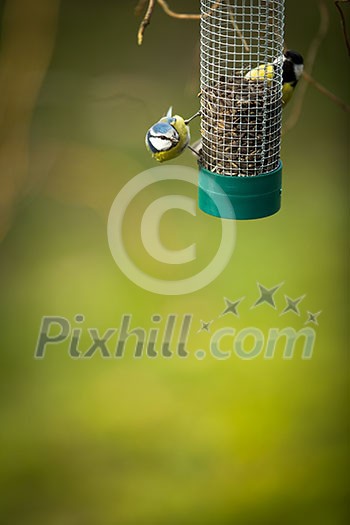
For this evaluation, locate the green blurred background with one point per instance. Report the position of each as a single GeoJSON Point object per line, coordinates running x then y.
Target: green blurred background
{"type": "Point", "coordinates": [148, 442]}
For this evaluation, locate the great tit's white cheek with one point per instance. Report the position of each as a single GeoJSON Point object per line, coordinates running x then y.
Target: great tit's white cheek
{"type": "Point", "coordinates": [160, 144]}
{"type": "Point", "coordinates": [279, 60]}
{"type": "Point", "coordinates": [298, 70]}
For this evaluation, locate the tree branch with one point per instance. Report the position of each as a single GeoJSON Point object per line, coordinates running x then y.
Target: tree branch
{"type": "Point", "coordinates": [343, 22]}
{"type": "Point", "coordinates": [309, 64]}
{"type": "Point", "coordinates": [146, 20]}
{"type": "Point", "coordinates": [239, 32]}
{"type": "Point", "coordinates": [326, 92]}
{"type": "Point", "coordinates": [185, 16]}
{"type": "Point", "coordinates": [182, 16]}
{"type": "Point", "coordinates": [164, 5]}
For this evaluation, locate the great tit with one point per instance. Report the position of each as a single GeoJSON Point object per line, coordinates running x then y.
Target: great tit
{"type": "Point", "coordinates": [292, 69]}
{"type": "Point", "coordinates": [168, 137]}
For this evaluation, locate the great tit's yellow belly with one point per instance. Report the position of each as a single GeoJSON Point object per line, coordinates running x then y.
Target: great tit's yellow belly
{"type": "Point", "coordinates": [287, 92]}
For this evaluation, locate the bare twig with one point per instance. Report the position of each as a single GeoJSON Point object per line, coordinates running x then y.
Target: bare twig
{"type": "Point", "coordinates": [185, 16]}
{"type": "Point", "coordinates": [343, 22]}
{"type": "Point", "coordinates": [181, 16]}
{"type": "Point", "coordinates": [164, 5]}
{"type": "Point", "coordinates": [239, 32]}
{"type": "Point", "coordinates": [309, 64]}
{"type": "Point", "coordinates": [146, 21]}
{"type": "Point", "coordinates": [171, 13]}
{"type": "Point", "coordinates": [326, 92]}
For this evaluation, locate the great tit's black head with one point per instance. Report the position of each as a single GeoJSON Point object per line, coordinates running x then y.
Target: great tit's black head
{"type": "Point", "coordinates": [294, 57]}
{"type": "Point", "coordinates": [293, 65]}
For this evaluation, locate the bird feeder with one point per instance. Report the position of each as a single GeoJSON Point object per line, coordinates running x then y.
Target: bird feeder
{"type": "Point", "coordinates": [241, 106]}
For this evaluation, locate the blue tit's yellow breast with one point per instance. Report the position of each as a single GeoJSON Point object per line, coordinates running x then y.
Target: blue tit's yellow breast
{"type": "Point", "coordinates": [184, 133]}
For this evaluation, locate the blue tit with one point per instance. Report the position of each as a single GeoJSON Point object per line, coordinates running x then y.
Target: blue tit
{"type": "Point", "coordinates": [168, 137]}
{"type": "Point", "coordinates": [292, 69]}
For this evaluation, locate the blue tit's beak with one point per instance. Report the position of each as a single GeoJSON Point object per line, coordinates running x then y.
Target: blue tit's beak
{"type": "Point", "coordinates": [170, 112]}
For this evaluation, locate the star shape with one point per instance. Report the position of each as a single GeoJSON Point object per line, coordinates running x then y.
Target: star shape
{"type": "Point", "coordinates": [292, 305]}
{"type": "Point", "coordinates": [205, 326]}
{"type": "Point", "coordinates": [312, 318]}
{"type": "Point", "coordinates": [231, 307]}
{"type": "Point", "coordinates": [266, 295]}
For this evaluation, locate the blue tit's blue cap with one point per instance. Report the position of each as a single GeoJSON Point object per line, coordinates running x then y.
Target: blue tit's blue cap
{"type": "Point", "coordinates": [161, 128]}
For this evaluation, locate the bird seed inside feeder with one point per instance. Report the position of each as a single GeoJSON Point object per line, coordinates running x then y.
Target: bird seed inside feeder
{"type": "Point", "coordinates": [240, 126]}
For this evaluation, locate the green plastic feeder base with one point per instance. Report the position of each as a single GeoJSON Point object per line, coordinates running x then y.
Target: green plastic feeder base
{"type": "Point", "coordinates": [240, 198]}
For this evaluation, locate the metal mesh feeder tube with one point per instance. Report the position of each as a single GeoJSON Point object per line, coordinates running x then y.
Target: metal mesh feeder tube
{"type": "Point", "coordinates": [241, 107]}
